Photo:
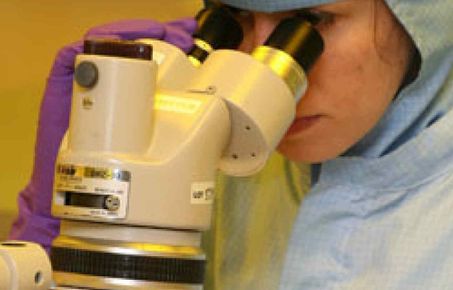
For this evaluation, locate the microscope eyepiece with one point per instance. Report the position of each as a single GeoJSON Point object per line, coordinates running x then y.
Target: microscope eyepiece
{"type": "Point", "coordinates": [290, 51]}
{"type": "Point", "coordinates": [297, 37]}
{"type": "Point", "coordinates": [217, 29]}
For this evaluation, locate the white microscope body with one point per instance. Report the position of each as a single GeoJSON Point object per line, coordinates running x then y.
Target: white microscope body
{"type": "Point", "coordinates": [135, 174]}
{"type": "Point", "coordinates": [140, 156]}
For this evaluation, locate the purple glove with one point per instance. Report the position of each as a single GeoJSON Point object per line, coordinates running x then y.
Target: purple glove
{"type": "Point", "coordinates": [34, 222]}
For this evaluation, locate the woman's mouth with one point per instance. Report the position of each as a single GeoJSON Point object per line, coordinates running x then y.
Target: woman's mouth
{"type": "Point", "coordinates": [303, 123]}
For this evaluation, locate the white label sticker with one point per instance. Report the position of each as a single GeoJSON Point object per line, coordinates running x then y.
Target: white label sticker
{"type": "Point", "coordinates": [202, 192]}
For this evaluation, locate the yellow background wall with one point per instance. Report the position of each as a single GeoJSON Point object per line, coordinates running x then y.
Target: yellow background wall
{"type": "Point", "coordinates": [31, 32]}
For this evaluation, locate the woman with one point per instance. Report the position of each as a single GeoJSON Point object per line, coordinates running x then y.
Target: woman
{"type": "Point", "coordinates": [374, 124]}
{"type": "Point", "coordinates": [371, 138]}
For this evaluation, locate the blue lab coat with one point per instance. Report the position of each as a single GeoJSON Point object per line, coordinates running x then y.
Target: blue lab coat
{"type": "Point", "coordinates": [378, 217]}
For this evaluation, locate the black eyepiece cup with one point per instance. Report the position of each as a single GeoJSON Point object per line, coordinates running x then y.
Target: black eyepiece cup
{"type": "Point", "coordinates": [297, 37]}
{"type": "Point", "coordinates": [218, 27]}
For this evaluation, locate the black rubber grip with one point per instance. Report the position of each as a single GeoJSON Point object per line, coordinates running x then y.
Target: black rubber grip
{"type": "Point", "coordinates": [144, 268]}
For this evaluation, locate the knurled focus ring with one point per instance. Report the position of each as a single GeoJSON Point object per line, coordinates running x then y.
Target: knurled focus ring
{"type": "Point", "coordinates": [145, 268]}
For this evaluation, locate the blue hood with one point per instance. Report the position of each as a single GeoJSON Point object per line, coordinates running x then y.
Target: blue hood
{"type": "Point", "coordinates": [423, 102]}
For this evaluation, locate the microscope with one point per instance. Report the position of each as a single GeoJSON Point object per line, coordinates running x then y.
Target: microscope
{"type": "Point", "coordinates": [150, 128]}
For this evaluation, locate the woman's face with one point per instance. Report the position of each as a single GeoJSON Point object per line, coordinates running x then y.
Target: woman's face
{"type": "Point", "coordinates": [354, 81]}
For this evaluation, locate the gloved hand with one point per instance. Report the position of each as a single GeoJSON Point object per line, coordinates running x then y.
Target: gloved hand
{"type": "Point", "coordinates": [34, 222]}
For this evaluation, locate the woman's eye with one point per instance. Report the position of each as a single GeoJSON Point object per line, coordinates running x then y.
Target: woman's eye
{"type": "Point", "coordinates": [317, 18]}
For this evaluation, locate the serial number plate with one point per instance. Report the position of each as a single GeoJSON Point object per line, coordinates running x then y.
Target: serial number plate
{"type": "Point", "coordinates": [83, 191]}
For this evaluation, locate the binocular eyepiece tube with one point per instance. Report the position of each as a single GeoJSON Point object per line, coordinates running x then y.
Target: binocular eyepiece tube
{"type": "Point", "coordinates": [290, 50]}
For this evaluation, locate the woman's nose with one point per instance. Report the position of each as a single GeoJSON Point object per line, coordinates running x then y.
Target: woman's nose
{"type": "Point", "coordinates": [258, 29]}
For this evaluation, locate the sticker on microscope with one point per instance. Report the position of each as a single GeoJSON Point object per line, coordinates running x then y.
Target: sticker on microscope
{"type": "Point", "coordinates": [90, 183]}
{"type": "Point", "coordinates": [202, 193]}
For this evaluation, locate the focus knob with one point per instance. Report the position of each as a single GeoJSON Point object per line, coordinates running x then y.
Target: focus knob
{"type": "Point", "coordinates": [86, 74]}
